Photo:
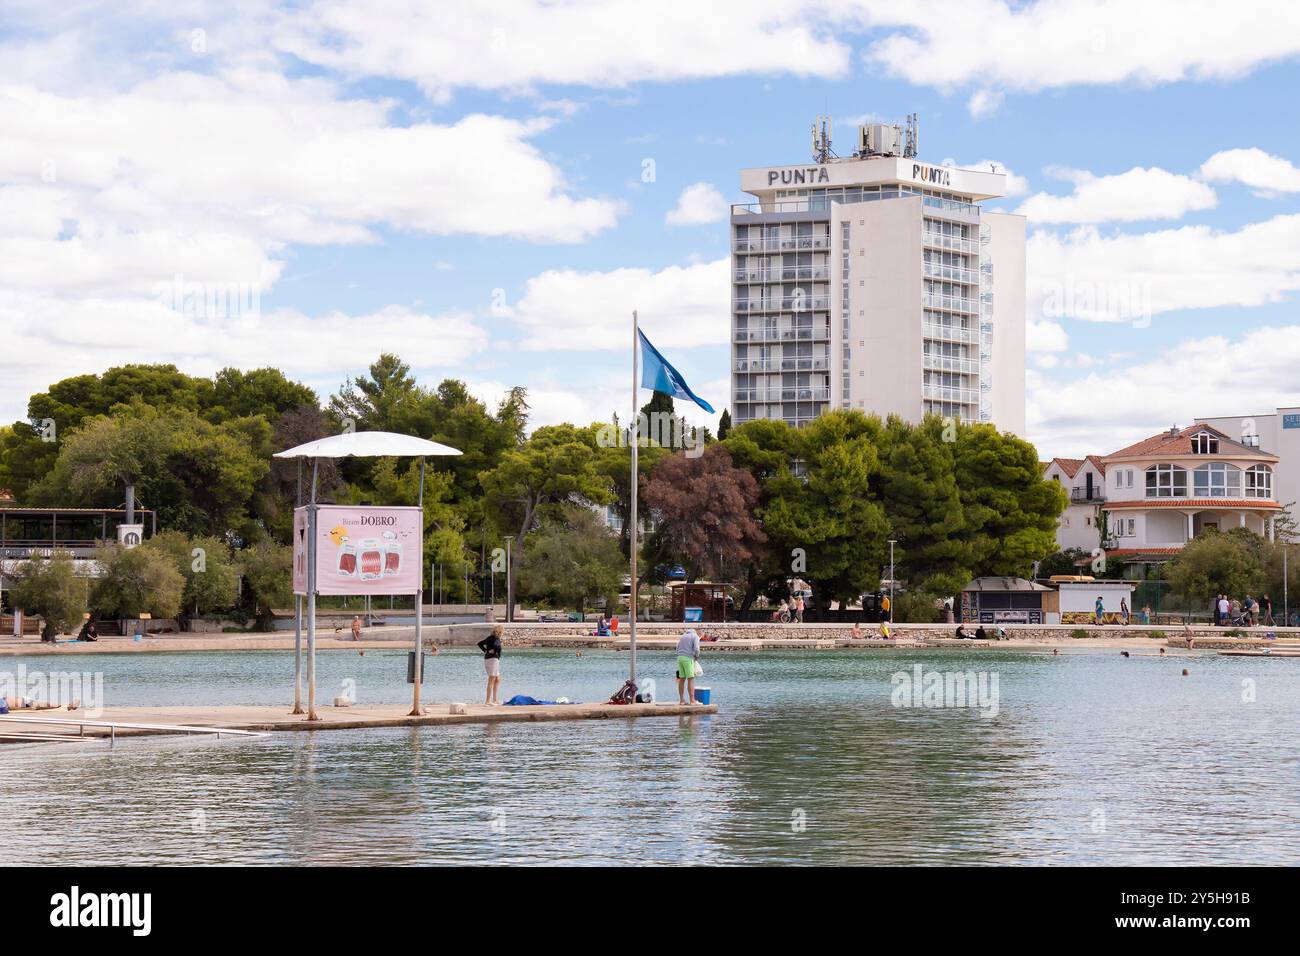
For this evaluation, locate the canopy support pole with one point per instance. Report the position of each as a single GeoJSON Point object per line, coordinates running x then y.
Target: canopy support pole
{"type": "Point", "coordinates": [634, 434]}
{"type": "Point", "coordinates": [297, 622]}
{"type": "Point", "coordinates": [418, 669]}
{"type": "Point", "coordinates": [311, 595]}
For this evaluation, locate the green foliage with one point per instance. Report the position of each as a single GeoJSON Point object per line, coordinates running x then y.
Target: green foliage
{"type": "Point", "coordinates": [50, 587]}
{"type": "Point", "coordinates": [137, 581]}
{"type": "Point", "coordinates": [1063, 562]}
{"type": "Point", "coordinates": [268, 582]}
{"type": "Point", "coordinates": [210, 572]}
{"type": "Point", "coordinates": [724, 425]}
{"type": "Point", "coordinates": [1213, 563]}
{"type": "Point", "coordinates": [571, 559]}
{"type": "Point", "coordinates": [918, 607]}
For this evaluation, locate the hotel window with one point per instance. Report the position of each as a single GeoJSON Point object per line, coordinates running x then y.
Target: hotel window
{"type": "Point", "coordinates": [1217, 481]}
{"type": "Point", "coordinates": [1203, 443]}
{"type": "Point", "coordinates": [1259, 481]}
{"type": "Point", "coordinates": [1166, 481]}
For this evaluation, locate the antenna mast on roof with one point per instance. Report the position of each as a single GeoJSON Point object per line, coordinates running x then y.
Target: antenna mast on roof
{"type": "Point", "coordinates": [910, 144]}
{"type": "Point", "coordinates": [821, 140]}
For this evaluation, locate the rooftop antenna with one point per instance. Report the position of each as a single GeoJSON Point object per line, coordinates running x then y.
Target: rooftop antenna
{"type": "Point", "coordinates": [821, 140]}
{"type": "Point", "coordinates": [911, 143]}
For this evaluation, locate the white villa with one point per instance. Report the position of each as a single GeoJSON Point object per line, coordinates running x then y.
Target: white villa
{"type": "Point", "coordinates": [1159, 493]}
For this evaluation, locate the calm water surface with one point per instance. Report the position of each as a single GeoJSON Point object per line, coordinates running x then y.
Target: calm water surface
{"type": "Point", "coordinates": [1091, 759]}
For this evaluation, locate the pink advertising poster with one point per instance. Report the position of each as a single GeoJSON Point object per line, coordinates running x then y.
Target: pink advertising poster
{"type": "Point", "coordinates": [361, 550]}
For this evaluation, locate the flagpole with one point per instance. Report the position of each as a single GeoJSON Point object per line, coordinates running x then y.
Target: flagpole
{"type": "Point", "coordinates": [634, 432]}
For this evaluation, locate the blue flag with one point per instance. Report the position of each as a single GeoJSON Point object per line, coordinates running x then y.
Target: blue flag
{"type": "Point", "coordinates": [659, 376]}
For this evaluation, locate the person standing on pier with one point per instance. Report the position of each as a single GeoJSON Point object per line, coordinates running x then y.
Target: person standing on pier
{"type": "Point", "coordinates": [491, 648]}
{"type": "Point", "coordinates": [688, 652]}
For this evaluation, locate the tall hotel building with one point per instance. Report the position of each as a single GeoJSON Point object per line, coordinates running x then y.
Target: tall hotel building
{"type": "Point", "coordinates": [878, 283]}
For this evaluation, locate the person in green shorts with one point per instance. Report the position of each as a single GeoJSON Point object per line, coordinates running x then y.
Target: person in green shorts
{"type": "Point", "coordinates": [688, 652]}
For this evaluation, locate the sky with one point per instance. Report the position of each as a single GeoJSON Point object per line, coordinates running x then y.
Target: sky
{"type": "Point", "coordinates": [489, 189]}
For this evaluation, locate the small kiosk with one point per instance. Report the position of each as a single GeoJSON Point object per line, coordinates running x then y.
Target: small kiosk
{"type": "Point", "coordinates": [1005, 600]}
{"type": "Point", "coordinates": [699, 601]}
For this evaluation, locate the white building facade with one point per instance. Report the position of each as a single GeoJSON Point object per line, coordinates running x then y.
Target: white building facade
{"type": "Point", "coordinates": [879, 284]}
{"type": "Point", "coordinates": [1084, 481]}
{"type": "Point", "coordinates": [1160, 493]}
{"type": "Point", "coordinates": [1277, 432]}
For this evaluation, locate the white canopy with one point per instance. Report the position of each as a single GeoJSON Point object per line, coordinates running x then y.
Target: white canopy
{"type": "Point", "coordinates": [368, 445]}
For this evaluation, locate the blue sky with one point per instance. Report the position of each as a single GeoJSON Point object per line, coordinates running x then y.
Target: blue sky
{"type": "Point", "coordinates": [489, 189]}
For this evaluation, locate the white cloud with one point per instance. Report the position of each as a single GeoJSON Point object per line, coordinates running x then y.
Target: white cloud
{"type": "Point", "coordinates": [1109, 278]}
{"type": "Point", "coordinates": [1102, 412]}
{"type": "Point", "coordinates": [678, 306]}
{"type": "Point", "coordinates": [1138, 194]}
{"type": "Point", "coordinates": [984, 103]}
{"type": "Point", "coordinates": [48, 339]}
{"type": "Point", "coordinates": [515, 44]}
{"type": "Point", "coordinates": [1056, 43]}
{"type": "Point", "coordinates": [699, 204]}
{"type": "Point", "coordinates": [1017, 185]}
{"type": "Point", "coordinates": [1043, 336]}
{"type": "Point", "coordinates": [1255, 168]}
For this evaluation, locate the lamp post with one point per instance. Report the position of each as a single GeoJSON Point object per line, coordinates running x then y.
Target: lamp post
{"type": "Point", "coordinates": [510, 594]}
{"type": "Point", "coordinates": [892, 542]}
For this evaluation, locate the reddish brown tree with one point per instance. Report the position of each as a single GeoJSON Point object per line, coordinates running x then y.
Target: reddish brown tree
{"type": "Point", "coordinates": [703, 510]}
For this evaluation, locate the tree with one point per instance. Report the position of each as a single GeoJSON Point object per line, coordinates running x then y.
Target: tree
{"type": "Point", "coordinates": [918, 490]}
{"type": "Point", "coordinates": [828, 516]}
{"type": "Point", "coordinates": [1214, 563]}
{"type": "Point", "coordinates": [703, 508]}
{"type": "Point", "coordinates": [724, 425]}
{"type": "Point", "coordinates": [1063, 562]}
{"type": "Point", "coordinates": [555, 466]}
{"type": "Point", "coordinates": [1010, 509]}
{"type": "Point", "coordinates": [51, 588]}
{"type": "Point", "coordinates": [572, 558]}
{"type": "Point", "coordinates": [137, 581]}
{"type": "Point", "coordinates": [267, 568]}
{"type": "Point", "coordinates": [766, 448]}
{"type": "Point", "coordinates": [209, 571]}
{"type": "Point", "coordinates": [614, 462]}
{"type": "Point", "coordinates": [375, 402]}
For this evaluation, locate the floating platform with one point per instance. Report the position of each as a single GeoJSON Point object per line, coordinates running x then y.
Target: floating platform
{"type": "Point", "coordinates": [271, 719]}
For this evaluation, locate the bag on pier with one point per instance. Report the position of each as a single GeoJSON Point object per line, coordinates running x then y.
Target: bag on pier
{"type": "Point", "coordinates": [625, 694]}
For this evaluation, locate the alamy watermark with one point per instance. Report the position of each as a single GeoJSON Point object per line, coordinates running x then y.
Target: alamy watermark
{"type": "Point", "coordinates": [34, 688]}
{"type": "Point", "coordinates": [211, 300]}
{"type": "Point", "coordinates": [942, 689]}
{"type": "Point", "coordinates": [656, 428]}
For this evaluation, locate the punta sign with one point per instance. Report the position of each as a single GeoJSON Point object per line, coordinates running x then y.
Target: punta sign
{"type": "Point", "coordinates": [798, 177]}
{"type": "Point", "coordinates": [936, 175]}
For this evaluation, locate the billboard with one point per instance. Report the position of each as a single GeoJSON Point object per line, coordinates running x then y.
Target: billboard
{"type": "Point", "coordinates": [360, 550]}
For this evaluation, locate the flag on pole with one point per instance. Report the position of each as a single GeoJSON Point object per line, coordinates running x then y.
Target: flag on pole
{"type": "Point", "coordinates": [657, 375]}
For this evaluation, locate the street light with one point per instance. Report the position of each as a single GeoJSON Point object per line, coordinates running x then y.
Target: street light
{"type": "Point", "coordinates": [892, 542]}
{"type": "Point", "coordinates": [510, 594]}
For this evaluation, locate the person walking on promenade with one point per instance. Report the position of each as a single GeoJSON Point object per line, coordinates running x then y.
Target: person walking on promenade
{"type": "Point", "coordinates": [1266, 610]}
{"type": "Point", "coordinates": [491, 648]}
{"type": "Point", "coordinates": [1099, 611]}
{"type": "Point", "coordinates": [356, 628]}
{"type": "Point", "coordinates": [798, 609]}
{"type": "Point", "coordinates": [1123, 611]}
{"type": "Point", "coordinates": [688, 652]}
{"type": "Point", "coordinates": [884, 609]}
{"type": "Point", "coordinates": [1146, 614]}
{"type": "Point", "coordinates": [1224, 609]}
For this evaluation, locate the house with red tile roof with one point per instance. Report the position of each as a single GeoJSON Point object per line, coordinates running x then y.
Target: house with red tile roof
{"type": "Point", "coordinates": [1154, 496]}
{"type": "Point", "coordinates": [1084, 481]}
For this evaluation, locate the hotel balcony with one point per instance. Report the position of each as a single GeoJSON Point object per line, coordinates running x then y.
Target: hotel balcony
{"type": "Point", "coordinates": [802, 364]}
{"type": "Point", "coordinates": [819, 333]}
{"type": "Point", "coordinates": [950, 333]}
{"type": "Point", "coordinates": [938, 240]}
{"type": "Point", "coordinates": [948, 363]}
{"type": "Point", "coordinates": [951, 303]}
{"type": "Point", "coordinates": [779, 394]}
{"type": "Point", "coordinates": [946, 393]}
{"type": "Point", "coordinates": [784, 244]}
{"type": "Point", "coordinates": [938, 270]}
{"type": "Point", "coordinates": [787, 303]}
{"type": "Point", "coordinates": [786, 274]}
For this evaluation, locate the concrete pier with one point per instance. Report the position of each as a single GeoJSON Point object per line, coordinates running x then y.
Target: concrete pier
{"type": "Point", "coordinates": [277, 718]}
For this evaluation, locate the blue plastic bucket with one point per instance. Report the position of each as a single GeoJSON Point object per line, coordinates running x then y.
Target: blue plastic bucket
{"type": "Point", "coordinates": [703, 695]}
